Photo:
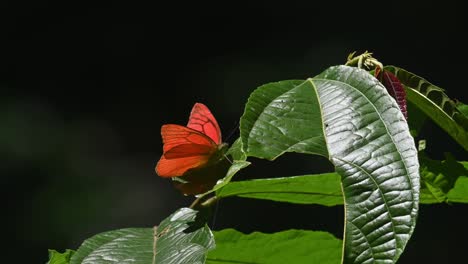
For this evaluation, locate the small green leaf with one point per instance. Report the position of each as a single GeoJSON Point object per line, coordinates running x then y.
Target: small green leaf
{"type": "Point", "coordinates": [56, 257]}
{"type": "Point", "coordinates": [321, 189]}
{"type": "Point", "coordinates": [236, 166]}
{"type": "Point", "coordinates": [236, 151]}
{"type": "Point", "coordinates": [439, 177]}
{"type": "Point", "coordinates": [459, 194]}
{"type": "Point", "coordinates": [433, 101]}
{"type": "Point", "coordinates": [463, 108]}
{"type": "Point", "coordinates": [291, 247]}
{"type": "Point", "coordinates": [180, 239]}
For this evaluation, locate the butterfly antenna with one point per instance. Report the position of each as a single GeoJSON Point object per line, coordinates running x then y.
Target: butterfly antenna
{"type": "Point", "coordinates": [232, 131]}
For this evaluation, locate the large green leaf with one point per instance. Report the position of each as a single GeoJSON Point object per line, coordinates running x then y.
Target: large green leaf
{"type": "Point", "coordinates": [180, 239]}
{"type": "Point", "coordinates": [345, 114]}
{"type": "Point", "coordinates": [447, 178]}
{"type": "Point", "coordinates": [433, 101]}
{"type": "Point", "coordinates": [291, 246]}
{"type": "Point", "coordinates": [321, 189]}
{"type": "Point", "coordinates": [56, 257]}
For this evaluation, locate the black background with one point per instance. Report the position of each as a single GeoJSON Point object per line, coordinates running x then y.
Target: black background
{"type": "Point", "coordinates": [86, 87]}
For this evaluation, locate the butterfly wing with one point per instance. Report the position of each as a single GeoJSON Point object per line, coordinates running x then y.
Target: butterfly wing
{"type": "Point", "coordinates": [184, 149]}
{"type": "Point", "coordinates": [202, 120]}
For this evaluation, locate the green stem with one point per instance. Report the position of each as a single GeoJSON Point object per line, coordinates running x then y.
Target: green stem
{"type": "Point", "coordinates": [208, 202]}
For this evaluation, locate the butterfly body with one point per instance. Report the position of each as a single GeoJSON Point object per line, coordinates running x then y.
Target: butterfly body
{"type": "Point", "coordinates": [190, 147]}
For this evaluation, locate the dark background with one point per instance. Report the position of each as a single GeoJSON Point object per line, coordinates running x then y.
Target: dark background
{"type": "Point", "coordinates": [86, 88]}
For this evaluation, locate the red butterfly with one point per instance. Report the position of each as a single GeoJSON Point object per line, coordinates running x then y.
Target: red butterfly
{"type": "Point", "coordinates": [192, 147]}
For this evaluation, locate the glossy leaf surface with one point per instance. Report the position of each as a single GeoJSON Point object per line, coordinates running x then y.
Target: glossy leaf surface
{"type": "Point", "coordinates": [283, 117]}
{"type": "Point", "coordinates": [178, 239]}
{"type": "Point", "coordinates": [345, 114]}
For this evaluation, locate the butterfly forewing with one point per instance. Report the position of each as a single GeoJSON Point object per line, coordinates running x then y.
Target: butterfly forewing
{"type": "Point", "coordinates": [202, 120]}
{"type": "Point", "coordinates": [176, 135]}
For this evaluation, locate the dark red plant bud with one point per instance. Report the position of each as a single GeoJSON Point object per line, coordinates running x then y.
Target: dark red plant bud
{"type": "Point", "coordinates": [395, 89]}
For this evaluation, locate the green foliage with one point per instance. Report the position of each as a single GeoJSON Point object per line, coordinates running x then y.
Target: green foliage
{"type": "Point", "coordinates": [56, 257]}
{"type": "Point", "coordinates": [236, 151]}
{"type": "Point", "coordinates": [291, 246]}
{"type": "Point", "coordinates": [236, 166]}
{"type": "Point", "coordinates": [463, 108]}
{"type": "Point", "coordinates": [459, 193]}
{"type": "Point", "coordinates": [439, 178]}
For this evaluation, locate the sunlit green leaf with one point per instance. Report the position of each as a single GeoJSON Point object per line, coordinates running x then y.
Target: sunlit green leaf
{"type": "Point", "coordinates": [463, 108]}
{"type": "Point", "coordinates": [459, 194]}
{"type": "Point", "coordinates": [56, 257]}
{"type": "Point", "coordinates": [321, 189]}
{"type": "Point", "coordinates": [439, 177]}
{"type": "Point", "coordinates": [291, 247]}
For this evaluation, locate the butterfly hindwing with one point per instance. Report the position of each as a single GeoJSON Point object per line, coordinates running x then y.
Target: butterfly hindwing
{"type": "Point", "coordinates": [184, 149]}
{"type": "Point", "coordinates": [177, 167]}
